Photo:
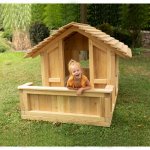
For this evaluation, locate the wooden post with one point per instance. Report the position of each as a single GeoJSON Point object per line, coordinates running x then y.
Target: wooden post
{"type": "Point", "coordinates": [108, 67]}
{"type": "Point", "coordinates": [21, 102]}
{"type": "Point", "coordinates": [108, 108]}
{"type": "Point", "coordinates": [25, 102]}
{"type": "Point", "coordinates": [91, 63]}
{"type": "Point", "coordinates": [61, 56]}
{"type": "Point", "coordinates": [45, 69]}
{"type": "Point", "coordinates": [116, 72]}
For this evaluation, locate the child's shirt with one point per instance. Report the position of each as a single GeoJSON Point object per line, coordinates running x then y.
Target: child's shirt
{"type": "Point", "coordinates": [74, 84]}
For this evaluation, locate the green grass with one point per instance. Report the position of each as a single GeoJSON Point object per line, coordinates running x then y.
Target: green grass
{"type": "Point", "coordinates": [131, 119]}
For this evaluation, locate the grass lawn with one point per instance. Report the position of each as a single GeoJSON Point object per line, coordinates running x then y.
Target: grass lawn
{"type": "Point", "coordinates": [131, 119]}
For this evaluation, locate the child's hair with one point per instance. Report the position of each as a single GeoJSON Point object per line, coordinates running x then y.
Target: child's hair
{"type": "Point", "coordinates": [72, 63]}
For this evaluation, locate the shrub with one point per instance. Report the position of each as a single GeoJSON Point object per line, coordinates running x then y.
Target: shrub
{"type": "Point", "coordinates": [136, 51]}
{"type": "Point", "coordinates": [123, 36]}
{"type": "Point", "coordinates": [38, 32]}
{"type": "Point", "coordinates": [7, 34]}
{"type": "Point", "coordinates": [136, 39]}
{"type": "Point", "coordinates": [2, 49]}
{"type": "Point", "coordinates": [107, 28]}
{"type": "Point", "coordinates": [120, 34]}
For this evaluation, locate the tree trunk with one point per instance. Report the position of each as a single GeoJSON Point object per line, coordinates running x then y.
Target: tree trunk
{"type": "Point", "coordinates": [136, 38]}
{"type": "Point", "coordinates": [21, 40]}
{"type": "Point", "coordinates": [83, 13]}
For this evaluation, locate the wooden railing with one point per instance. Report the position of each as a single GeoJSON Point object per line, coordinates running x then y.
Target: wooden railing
{"type": "Point", "coordinates": [59, 104]}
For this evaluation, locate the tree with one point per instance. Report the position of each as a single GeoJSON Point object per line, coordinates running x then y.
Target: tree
{"type": "Point", "coordinates": [52, 17]}
{"type": "Point", "coordinates": [70, 12]}
{"type": "Point", "coordinates": [17, 17]}
{"type": "Point", "coordinates": [37, 13]}
{"type": "Point", "coordinates": [134, 17]}
{"type": "Point", "coordinates": [98, 14]}
{"type": "Point", "coordinates": [57, 15]}
{"type": "Point", "coordinates": [83, 13]}
{"type": "Point", "coordinates": [1, 19]}
{"type": "Point", "coordinates": [147, 27]}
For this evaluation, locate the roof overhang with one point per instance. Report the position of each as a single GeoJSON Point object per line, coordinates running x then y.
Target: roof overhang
{"type": "Point", "coordinates": [91, 32]}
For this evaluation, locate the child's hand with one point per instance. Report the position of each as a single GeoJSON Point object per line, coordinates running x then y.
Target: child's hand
{"type": "Point", "coordinates": [80, 91]}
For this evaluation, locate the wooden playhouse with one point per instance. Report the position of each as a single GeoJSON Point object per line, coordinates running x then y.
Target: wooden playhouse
{"type": "Point", "coordinates": [53, 101]}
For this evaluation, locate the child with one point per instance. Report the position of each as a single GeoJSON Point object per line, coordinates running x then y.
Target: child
{"type": "Point", "coordinates": [77, 80]}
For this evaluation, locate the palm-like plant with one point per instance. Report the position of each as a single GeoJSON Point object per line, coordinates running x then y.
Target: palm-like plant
{"type": "Point", "coordinates": [17, 17]}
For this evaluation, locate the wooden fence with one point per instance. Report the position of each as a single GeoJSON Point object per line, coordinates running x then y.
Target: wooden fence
{"type": "Point", "coordinates": [59, 104]}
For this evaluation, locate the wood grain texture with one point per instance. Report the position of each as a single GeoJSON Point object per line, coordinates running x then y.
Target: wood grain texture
{"type": "Point", "coordinates": [60, 104]}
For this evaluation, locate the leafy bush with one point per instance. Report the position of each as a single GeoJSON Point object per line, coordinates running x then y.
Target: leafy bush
{"type": "Point", "coordinates": [120, 34]}
{"type": "Point", "coordinates": [2, 49]}
{"type": "Point", "coordinates": [7, 34]}
{"type": "Point", "coordinates": [123, 36]}
{"type": "Point", "coordinates": [107, 28]}
{"type": "Point", "coordinates": [136, 51]}
{"type": "Point", "coordinates": [38, 32]}
{"type": "Point", "coordinates": [136, 39]}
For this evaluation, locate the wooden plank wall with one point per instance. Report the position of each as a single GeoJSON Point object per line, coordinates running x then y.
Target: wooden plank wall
{"type": "Point", "coordinates": [67, 104]}
{"type": "Point", "coordinates": [98, 65]}
{"type": "Point", "coordinates": [103, 68]}
{"type": "Point", "coordinates": [100, 71]}
{"type": "Point", "coordinates": [52, 65]}
{"type": "Point", "coordinates": [103, 63]}
{"type": "Point", "coordinates": [94, 107]}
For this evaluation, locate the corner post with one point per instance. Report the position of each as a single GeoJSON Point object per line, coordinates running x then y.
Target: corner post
{"type": "Point", "coordinates": [91, 63]}
{"type": "Point", "coordinates": [108, 108]}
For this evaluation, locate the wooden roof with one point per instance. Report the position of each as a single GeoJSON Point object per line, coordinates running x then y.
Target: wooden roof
{"type": "Point", "coordinates": [91, 32]}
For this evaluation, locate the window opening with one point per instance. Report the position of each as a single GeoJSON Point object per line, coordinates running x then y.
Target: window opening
{"type": "Point", "coordinates": [84, 58]}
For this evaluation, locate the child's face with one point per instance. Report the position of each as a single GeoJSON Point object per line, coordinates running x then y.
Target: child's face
{"type": "Point", "coordinates": [76, 71]}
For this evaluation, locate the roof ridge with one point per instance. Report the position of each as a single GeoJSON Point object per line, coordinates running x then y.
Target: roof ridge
{"type": "Point", "coordinates": [79, 23]}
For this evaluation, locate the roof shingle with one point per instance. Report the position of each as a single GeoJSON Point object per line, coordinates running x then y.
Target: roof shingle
{"type": "Point", "coordinates": [120, 48]}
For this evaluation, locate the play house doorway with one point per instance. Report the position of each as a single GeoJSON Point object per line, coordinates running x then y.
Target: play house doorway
{"type": "Point", "coordinates": [76, 47]}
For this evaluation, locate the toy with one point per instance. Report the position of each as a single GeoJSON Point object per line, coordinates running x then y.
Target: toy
{"type": "Point", "coordinates": [54, 102]}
